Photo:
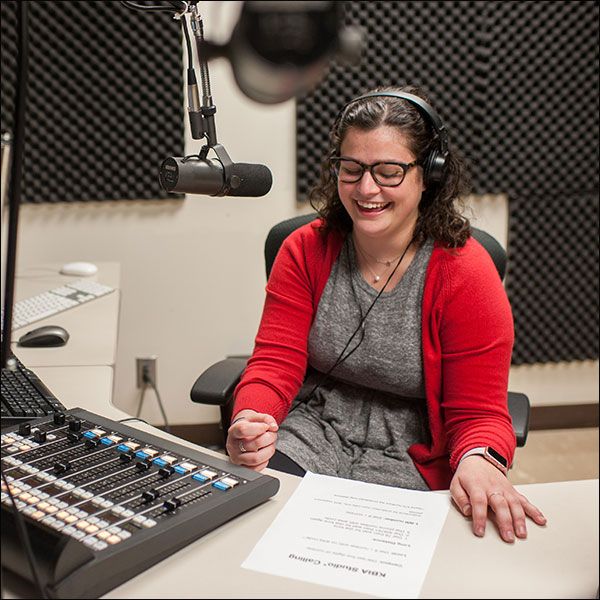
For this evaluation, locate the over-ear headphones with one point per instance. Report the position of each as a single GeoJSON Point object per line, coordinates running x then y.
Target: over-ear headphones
{"type": "Point", "coordinates": [434, 166]}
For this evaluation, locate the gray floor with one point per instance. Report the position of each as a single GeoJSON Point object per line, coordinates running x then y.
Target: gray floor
{"type": "Point", "coordinates": [557, 455]}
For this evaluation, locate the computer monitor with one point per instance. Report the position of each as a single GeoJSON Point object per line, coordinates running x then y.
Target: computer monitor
{"type": "Point", "coordinates": [6, 154]}
{"type": "Point", "coordinates": [6, 255]}
{"type": "Point", "coordinates": [12, 154]}
{"type": "Point", "coordinates": [4, 229]}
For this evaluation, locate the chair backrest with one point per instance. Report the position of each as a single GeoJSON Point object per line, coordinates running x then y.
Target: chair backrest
{"type": "Point", "coordinates": [494, 248]}
{"type": "Point", "coordinates": [279, 232]}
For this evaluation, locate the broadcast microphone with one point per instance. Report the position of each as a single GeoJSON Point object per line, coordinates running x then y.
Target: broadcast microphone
{"type": "Point", "coordinates": [196, 175]}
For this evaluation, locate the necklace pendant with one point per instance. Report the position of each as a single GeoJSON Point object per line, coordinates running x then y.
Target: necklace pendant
{"type": "Point", "coordinates": [377, 278]}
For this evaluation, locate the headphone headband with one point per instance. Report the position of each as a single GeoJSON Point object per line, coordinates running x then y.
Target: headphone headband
{"type": "Point", "coordinates": [426, 108]}
{"type": "Point", "coordinates": [436, 162]}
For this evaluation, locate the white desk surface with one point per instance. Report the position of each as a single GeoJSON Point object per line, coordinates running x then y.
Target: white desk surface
{"type": "Point", "coordinates": [93, 326]}
{"type": "Point", "coordinates": [556, 561]}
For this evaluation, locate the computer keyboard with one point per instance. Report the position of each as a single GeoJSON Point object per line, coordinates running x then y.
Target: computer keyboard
{"type": "Point", "coordinates": [59, 299]}
{"type": "Point", "coordinates": [24, 396]}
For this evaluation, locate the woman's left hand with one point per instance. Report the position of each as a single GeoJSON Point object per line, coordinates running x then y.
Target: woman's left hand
{"type": "Point", "coordinates": [477, 484]}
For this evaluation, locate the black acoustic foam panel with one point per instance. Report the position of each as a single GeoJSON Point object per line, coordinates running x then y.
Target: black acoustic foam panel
{"type": "Point", "coordinates": [429, 44]}
{"type": "Point", "coordinates": [105, 99]}
{"type": "Point", "coordinates": [552, 277]}
{"type": "Point", "coordinates": [516, 84]}
{"type": "Point", "coordinates": [541, 99]}
{"type": "Point", "coordinates": [542, 121]}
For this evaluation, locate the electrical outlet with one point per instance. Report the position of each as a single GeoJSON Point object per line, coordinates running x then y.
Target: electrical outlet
{"type": "Point", "coordinates": [149, 363]}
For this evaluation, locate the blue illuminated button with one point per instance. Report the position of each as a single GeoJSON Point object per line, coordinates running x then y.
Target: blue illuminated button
{"type": "Point", "coordinates": [111, 439]}
{"type": "Point", "coordinates": [93, 433]}
{"type": "Point", "coordinates": [204, 475]}
{"type": "Point", "coordinates": [185, 467]}
{"type": "Point", "coordinates": [165, 459]}
{"type": "Point", "coordinates": [146, 452]}
{"type": "Point", "coordinates": [226, 483]}
{"type": "Point", "coordinates": [127, 446]}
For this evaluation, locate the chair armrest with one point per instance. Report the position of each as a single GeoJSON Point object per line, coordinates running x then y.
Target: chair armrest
{"type": "Point", "coordinates": [216, 384]}
{"type": "Point", "coordinates": [518, 407]}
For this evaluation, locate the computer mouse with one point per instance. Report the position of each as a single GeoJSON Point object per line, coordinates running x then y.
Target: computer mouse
{"type": "Point", "coordinates": [47, 336]}
{"type": "Point", "coordinates": [79, 269]}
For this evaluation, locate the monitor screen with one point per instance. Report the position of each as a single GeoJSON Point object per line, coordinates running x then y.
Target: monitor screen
{"type": "Point", "coordinates": [6, 154]}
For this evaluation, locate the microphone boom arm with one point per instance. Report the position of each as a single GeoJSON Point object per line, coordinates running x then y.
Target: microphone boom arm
{"type": "Point", "coordinates": [200, 174]}
{"type": "Point", "coordinates": [204, 119]}
{"type": "Point", "coordinates": [207, 110]}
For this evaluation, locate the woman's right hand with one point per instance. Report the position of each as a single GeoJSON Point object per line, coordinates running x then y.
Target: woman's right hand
{"type": "Point", "coordinates": [251, 439]}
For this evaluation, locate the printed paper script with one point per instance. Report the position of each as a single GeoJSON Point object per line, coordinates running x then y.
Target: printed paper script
{"type": "Point", "coordinates": [353, 535]}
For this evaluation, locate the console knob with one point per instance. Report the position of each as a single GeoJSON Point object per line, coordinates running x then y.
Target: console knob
{"type": "Point", "coordinates": [166, 471]}
{"type": "Point", "coordinates": [61, 467]}
{"type": "Point", "coordinates": [75, 425]}
{"type": "Point", "coordinates": [39, 436]}
{"type": "Point", "coordinates": [150, 495]}
{"type": "Point", "coordinates": [24, 429]}
{"type": "Point", "coordinates": [172, 504]}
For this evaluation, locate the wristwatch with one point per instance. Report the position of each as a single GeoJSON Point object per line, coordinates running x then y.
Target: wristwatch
{"type": "Point", "coordinates": [490, 455]}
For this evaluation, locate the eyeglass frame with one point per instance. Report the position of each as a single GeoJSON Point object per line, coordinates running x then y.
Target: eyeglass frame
{"type": "Point", "coordinates": [405, 166]}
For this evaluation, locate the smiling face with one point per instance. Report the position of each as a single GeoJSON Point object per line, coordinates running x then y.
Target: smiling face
{"type": "Point", "coordinates": [387, 213]}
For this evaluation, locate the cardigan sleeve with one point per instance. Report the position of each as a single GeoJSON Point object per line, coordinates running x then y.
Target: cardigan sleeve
{"type": "Point", "coordinates": [275, 371]}
{"type": "Point", "coordinates": [476, 340]}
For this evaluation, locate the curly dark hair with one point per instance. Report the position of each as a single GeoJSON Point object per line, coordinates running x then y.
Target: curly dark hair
{"type": "Point", "coordinates": [440, 215]}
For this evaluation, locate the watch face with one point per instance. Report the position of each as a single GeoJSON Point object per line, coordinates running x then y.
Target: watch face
{"type": "Point", "coordinates": [496, 456]}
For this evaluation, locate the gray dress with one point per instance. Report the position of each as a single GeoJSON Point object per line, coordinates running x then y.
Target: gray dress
{"type": "Point", "coordinates": [358, 421]}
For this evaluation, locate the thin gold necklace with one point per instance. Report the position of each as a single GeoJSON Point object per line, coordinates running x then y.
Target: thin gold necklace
{"type": "Point", "coordinates": [387, 263]}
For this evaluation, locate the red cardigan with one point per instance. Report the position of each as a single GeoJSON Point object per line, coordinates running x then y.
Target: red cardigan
{"type": "Point", "coordinates": [467, 337]}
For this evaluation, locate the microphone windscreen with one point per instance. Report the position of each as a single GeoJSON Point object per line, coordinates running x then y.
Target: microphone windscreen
{"type": "Point", "coordinates": [255, 180]}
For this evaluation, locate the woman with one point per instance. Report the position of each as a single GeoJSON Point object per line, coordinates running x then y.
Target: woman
{"type": "Point", "coordinates": [384, 347]}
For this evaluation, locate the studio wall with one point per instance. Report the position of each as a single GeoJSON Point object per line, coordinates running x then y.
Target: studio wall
{"type": "Point", "coordinates": [516, 85]}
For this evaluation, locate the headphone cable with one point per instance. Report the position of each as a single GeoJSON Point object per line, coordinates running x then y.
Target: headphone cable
{"type": "Point", "coordinates": [341, 358]}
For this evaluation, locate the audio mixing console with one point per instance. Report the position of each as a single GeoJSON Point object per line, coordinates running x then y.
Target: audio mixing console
{"type": "Point", "coordinates": [102, 501]}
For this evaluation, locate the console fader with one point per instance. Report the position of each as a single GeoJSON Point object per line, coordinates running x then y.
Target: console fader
{"type": "Point", "coordinates": [102, 501]}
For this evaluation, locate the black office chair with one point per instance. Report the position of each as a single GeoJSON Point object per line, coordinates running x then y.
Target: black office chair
{"type": "Point", "coordinates": [215, 386]}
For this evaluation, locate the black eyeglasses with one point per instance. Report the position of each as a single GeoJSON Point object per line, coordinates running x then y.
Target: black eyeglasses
{"type": "Point", "coordinates": [386, 174]}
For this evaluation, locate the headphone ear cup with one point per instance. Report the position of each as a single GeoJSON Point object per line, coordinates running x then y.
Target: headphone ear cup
{"type": "Point", "coordinates": [434, 168]}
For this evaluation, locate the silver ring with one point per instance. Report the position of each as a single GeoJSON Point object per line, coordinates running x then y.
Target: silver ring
{"type": "Point", "coordinates": [493, 493]}
{"type": "Point", "coordinates": [242, 449]}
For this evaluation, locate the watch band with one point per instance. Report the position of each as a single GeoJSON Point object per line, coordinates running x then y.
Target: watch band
{"type": "Point", "coordinates": [491, 455]}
